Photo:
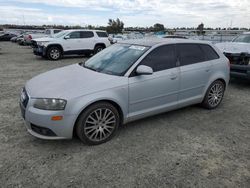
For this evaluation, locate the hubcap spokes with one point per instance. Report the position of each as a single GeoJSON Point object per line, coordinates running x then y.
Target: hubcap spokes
{"type": "Point", "coordinates": [100, 124]}
{"type": "Point", "coordinates": [54, 54]}
{"type": "Point", "coordinates": [215, 95]}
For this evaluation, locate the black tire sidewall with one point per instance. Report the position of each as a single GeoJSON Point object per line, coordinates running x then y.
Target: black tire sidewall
{"type": "Point", "coordinates": [82, 118]}
{"type": "Point", "coordinates": [98, 47]}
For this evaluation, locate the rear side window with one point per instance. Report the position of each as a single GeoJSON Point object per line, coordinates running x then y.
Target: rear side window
{"type": "Point", "coordinates": [102, 34]}
{"type": "Point", "coordinates": [161, 58]}
{"type": "Point", "coordinates": [87, 34]}
{"type": "Point", "coordinates": [190, 54]}
{"type": "Point", "coordinates": [210, 53]}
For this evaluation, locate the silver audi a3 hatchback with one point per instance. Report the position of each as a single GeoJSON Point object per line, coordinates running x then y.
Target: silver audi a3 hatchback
{"type": "Point", "coordinates": [125, 82]}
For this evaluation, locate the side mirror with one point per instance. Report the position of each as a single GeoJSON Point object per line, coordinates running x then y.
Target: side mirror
{"type": "Point", "coordinates": [144, 70]}
{"type": "Point", "coordinates": [66, 37]}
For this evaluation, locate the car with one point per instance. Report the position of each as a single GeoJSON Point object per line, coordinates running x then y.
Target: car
{"type": "Point", "coordinates": [47, 33]}
{"type": "Point", "coordinates": [238, 52]}
{"type": "Point", "coordinates": [174, 37]}
{"type": "Point", "coordinates": [125, 82]}
{"type": "Point", "coordinates": [6, 36]}
{"type": "Point", "coordinates": [70, 42]}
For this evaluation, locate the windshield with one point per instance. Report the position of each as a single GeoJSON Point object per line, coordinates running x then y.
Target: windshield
{"type": "Point", "coordinates": [60, 34]}
{"type": "Point", "coordinates": [116, 59]}
{"type": "Point", "coordinates": [242, 38]}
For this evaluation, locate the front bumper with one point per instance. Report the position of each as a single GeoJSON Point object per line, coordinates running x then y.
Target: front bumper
{"type": "Point", "coordinates": [39, 50]}
{"type": "Point", "coordinates": [240, 71]}
{"type": "Point", "coordinates": [39, 123]}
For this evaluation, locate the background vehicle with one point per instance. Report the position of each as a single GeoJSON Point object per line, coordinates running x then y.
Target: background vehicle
{"type": "Point", "coordinates": [70, 42]}
{"type": "Point", "coordinates": [6, 36]}
{"type": "Point", "coordinates": [124, 82]}
{"type": "Point", "coordinates": [174, 37]}
{"type": "Point", "coordinates": [46, 33]}
{"type": "Point", "coordinates": [238, 52]}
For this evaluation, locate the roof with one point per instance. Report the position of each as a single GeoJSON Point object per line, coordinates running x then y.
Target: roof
{"type": "Point", "coordinates": [84, 30]}
{"type": "Point", "coordinates": [155, 41]}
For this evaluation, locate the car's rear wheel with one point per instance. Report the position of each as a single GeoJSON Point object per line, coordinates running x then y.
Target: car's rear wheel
{"type": "Point", "coordinates": [98, 48]}
{"type": "Point", "coordinates": [98, 123]}
{"type": "Point", "coordinates": [54, 53]}
{"type": "Point", "coordinates": [214, 95]}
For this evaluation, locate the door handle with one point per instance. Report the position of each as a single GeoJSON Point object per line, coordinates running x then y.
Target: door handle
{"type": "Point", "coordinates": [173, 76]}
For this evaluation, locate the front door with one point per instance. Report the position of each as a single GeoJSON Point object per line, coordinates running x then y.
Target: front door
{"type": "Point", "coordinates": [150, 94]}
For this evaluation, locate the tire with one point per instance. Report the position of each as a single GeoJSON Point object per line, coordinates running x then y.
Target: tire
{"type": "Point", "coordinates": [93, 130]}
{"type": "Point", "coordinates": [54, 53]}
{"type": "Point", "coordinates": [214, 95]}
{"type": "Point", "coordinates": [98, 48]}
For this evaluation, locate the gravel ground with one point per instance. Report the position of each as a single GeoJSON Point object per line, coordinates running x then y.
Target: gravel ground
{"type": "Point", "coordinates": [190, 147]}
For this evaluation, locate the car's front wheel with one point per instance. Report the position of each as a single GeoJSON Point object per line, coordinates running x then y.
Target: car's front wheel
{"type": "Point", "coordinates": [54, 53]}
{"type": "Point", "coordinates": [214, 95]}
{"type": "Point", "coordinates": [98, 123]}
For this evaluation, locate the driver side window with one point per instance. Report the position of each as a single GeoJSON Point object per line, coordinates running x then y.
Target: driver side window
{"type": "Point", "coordinates": [161, 58]}
{"type": "Point", "coordinates": [75, 35]}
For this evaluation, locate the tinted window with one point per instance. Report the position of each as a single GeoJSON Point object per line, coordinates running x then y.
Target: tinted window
{"type": "Point", "coordinates": [190, 54]}
{"type": "Point", "coordinates": [161, 58]}
{"type": "Point", "coordinates": [87, 34]}
{"type": "Point", "coordinates": [210, 54]}
{"type": "Point", "coordinates": [74, 35]}
{"type": "Point", "coordinates": [116, 59]}
{"type": "Point", "coordinates": [102, 34]}
{"type": "Point", "coordinates": [57, 31]}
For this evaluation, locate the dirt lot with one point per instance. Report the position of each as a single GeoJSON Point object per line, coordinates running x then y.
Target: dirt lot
{"type": "Point", "coordinates": [190, 147]}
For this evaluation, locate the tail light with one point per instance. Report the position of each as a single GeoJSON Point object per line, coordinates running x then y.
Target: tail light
{"type": "Point", "coordinates": [30, 37]}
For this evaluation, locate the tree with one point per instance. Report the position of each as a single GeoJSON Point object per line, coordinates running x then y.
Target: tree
{"type": "Point", "coordinates": [200, 29]}
{"type": "Point", "coordinates": [115, 26]}
{"type": "Point", "coordinates": [158, 27]}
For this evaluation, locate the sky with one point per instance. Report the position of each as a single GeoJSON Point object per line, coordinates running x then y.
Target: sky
{"type": "Point", "coordinates": [141, 13]}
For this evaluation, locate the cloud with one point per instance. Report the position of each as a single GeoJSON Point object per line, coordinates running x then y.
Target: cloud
{"type": "Point", "coordinates": [172, 13]}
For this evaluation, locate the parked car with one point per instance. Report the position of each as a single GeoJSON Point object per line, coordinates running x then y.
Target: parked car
{"type": "Point", "coordinates": [70, 42]}
{"type": "Point", "coordinates": [125, 82]}
{"type": "Point", "coordinates": [47, 33]}
{"type": "Point", "coordinates": [238, 52]}
{"type": "Point", "coordinates": [6, 36]}
{"type": "Point", "coordinates": [174, 37]}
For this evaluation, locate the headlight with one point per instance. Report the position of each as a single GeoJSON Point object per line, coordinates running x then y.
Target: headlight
{"type": "Point", "coordinates": [50, 104]}
{"type": "Point", "coordinates": [42, 43]}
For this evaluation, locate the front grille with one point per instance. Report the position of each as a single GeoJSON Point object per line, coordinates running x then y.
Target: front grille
{"type": "Point", "coordinates": [238, 59]}
{"type": "Point", "coordinates": [42, 130]}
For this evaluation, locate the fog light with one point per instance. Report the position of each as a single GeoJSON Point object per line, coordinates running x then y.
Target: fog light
{"type": "Point", "coordinates": [56, 118]}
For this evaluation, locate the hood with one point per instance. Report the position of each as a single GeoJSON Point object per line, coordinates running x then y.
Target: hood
{"type": "Point", "coordinates": [234, 47]}
{"type": "Point", "coordinates": [70, 82]}
{"type": "Point", "coordinates": [44, 39]}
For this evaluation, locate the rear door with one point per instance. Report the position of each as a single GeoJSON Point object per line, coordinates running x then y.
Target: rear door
{"type": "Point", "coordinates": [159, 91]}
{"type": "Point", "coordinates": [195, 71]}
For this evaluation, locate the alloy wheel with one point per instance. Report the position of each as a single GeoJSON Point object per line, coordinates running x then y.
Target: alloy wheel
{"type": "Point", "coordinates": [100, 124]}
{"type": "Point", "coordinates": [215, 94]}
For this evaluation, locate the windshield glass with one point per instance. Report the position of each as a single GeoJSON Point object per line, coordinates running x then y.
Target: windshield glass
{"type": "Point", "coordinates": [116, 59]}
{"type": "Point", "coordinates": [60, 34]}
{"type": "Point", "coordinates": [242, 38]}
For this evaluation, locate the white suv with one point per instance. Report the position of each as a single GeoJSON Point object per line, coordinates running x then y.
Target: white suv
{"type": "Point", "coordinates": [70, 42]}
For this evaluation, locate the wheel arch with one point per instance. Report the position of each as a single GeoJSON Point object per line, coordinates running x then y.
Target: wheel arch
{"type": "Point", "coordinates": [100, 44]}
{"type": "Point", "coordinates": [113, 102]}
